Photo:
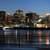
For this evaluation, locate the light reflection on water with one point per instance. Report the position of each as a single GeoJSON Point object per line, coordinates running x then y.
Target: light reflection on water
{"type": "Point", "coordinates": [21, 34]}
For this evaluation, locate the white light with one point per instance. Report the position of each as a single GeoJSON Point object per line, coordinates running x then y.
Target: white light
{"type": "Point", "coordinates": [39, 20]}
{"type": "Point", "coordinates": [16, 33]}
{"type": "Point", "coordinates": [38, 25]}
{"type": "Point", "coordinates": [47, 41]}
{"type": "Point", "coordinates": [5, 28]}
{"type": "Point", "coordinates": [16, 25]}
{"type": "Point", "coordinates": [47, 14]}
{"type": "Point", "coordinates": [46, 26]}
{"type": "Point", "coordinates": [5, 32]}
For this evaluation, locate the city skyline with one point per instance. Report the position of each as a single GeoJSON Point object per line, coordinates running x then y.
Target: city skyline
{"type": "Point", "coordinates": [38, 6]}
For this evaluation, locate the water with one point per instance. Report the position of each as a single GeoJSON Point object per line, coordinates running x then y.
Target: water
{"type": "Point", "coordinates": [13, 38]}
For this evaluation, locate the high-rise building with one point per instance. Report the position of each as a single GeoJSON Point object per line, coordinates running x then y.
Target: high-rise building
{"type": "Point", "coordinates": [8, 19]}
{"type": "Point", "coordinates": [33, 17]}
{"type": "Point", "coordinates": [18, 16]}
{"type": "Point", "coordinates": [2, 16]}
{"type": "Point", "coordinates": [28, 19]}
